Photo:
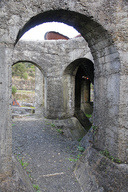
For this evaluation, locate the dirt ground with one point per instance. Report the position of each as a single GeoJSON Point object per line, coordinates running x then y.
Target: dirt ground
{"type": "Point", "coordinates": [46, 155]}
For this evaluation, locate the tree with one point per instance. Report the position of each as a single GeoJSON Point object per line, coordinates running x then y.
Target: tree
{"type": "Point", "coordinates": [18, 70]}
{"type": "Point", "coordinates": [14, 90]}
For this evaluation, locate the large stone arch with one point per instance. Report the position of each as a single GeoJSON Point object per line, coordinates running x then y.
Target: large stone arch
{"type": "Point", "coordinates": [107, 70]}
{"type": "Point", "coordinates": [99, 23]}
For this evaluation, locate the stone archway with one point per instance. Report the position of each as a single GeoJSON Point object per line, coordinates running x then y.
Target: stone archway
{"type": "Point", "coordinates": [76, 94]}
{"type": "Point", "coordinates": [105, 57]}
{"type": "Point", "coordinates": [97, 22]}
{"type": "Point", "coordinates": [38, 85]}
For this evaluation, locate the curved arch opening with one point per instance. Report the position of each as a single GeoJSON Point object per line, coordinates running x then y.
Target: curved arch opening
{"type": "Point", "coordinates": [50, 31]}
{"type": "Point", "coordinates": [28, 88]}
{"type": "Point", "coordinates": [85, 25]}
{"type": "Point", "coordinates": [77, 79]}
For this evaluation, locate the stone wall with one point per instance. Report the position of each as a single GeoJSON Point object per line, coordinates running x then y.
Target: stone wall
{"type": "Point", "coordinates": [103, 24]}
{"type": "Point", "coordinates": [52, 67]}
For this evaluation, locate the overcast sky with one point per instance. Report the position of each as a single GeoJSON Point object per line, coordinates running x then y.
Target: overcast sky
{"type": "Point", "coordinates": [38, 32]}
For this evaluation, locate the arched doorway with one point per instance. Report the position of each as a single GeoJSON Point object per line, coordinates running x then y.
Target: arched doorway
{"type": "Point", "coordinates": [76, 92]}
{"type": "Point", "coordinates": [28, 79]}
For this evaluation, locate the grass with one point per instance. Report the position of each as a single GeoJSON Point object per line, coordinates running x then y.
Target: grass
{"type": "Point", "coordinates": [23, 163]}
{"type": "Point", "coordinates": [59, 131]}
{"type": "Point", "coordinates": [88, 115]}
{"type": "Point", "coordinates": [79, 139]}
{"type": "Point", "coordinates": [81, 149]}
{"type": "Point", "coordinates": [36, 187]}
{"type": "Point", "coordinates": [107, 154]}
{"type": "Point", "coordinates": [75, 159]}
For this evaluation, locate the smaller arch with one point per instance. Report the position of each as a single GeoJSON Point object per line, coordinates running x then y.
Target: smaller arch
{"type": "Point", "coordinates": [86, 65]}
{"type": "Point", "coordinates": [70, 90]}
{"type": "Point", "coordinates": [40, 87]}
{"type": "Point", "coordinates": [27, 61]}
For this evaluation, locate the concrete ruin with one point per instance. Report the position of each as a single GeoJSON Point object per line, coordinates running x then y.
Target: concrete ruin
{"type": "Point", "coordinates": [104, 26]}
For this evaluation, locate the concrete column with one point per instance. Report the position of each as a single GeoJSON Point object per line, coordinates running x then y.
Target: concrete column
{"type": "Point", "coordinates": [39, 92]}
{"type": "Point", "coordinates": [55, 107]}
{"type": "Point", "coordinates": [123, 107]}
{"type": "Point", "coordinates": [106, 103]}
{"type": "Point", "coordinates": [5, 113]}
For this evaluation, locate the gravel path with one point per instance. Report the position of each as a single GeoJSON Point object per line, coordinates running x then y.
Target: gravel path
{"type": "Point", "coordinates": [49, 157]}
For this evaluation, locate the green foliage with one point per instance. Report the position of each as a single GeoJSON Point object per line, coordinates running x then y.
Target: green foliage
{"type": "Point", "coordinates": [81, 149]}
{"type": "Point", "coordinates": [88, 115]}
{"type": "Point", "coordinates": [25, 75]}
{"type": "Point", "coordinates": [36, 187]}
{"type": "Point", "coordinates": [18, 70]}
{"type": "Point", "coordinates": [23, 163]}
{"type": "Point", "coordinates": [95, 129]}
{"type": "Point", "coordinates": [72, 159]}
{"type": "Point", "coordinates": [59, 131]}
{"type": "Point", "coordinates": [52, 125]}
{"type": "Point", "coordinates": [23, 69]}
{"type": "Point", "coordinates": [107, 154]}
{"type": "Point", "coordinates": [14, 90]}
{"type": "Point", "coordinates": [75, 159]}
{"type": "Point", "coordinates": [79, 139]}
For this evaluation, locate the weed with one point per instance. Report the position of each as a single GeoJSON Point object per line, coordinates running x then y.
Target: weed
{"type": "Point", "coordinates": [60, 131]}
{"type": "Point", "coordinates": [52, 125]}
{"type": "Point", "coordinates": [107, 154]}
{"type": "Point", "coordinates": [76, 159]}
{"type": "Point", "coordinates": [88, 115]}
{"type": "Point", "coordinates": [95, 129]}
{"type": "Point", "coordinates": [79, 139]}
{"type": "Point", "coordinates": [36, 187]}
{"type": "Point", "coordinates": [24, 164]}
{"type": "Point", "coordinates": [72, 160]}
{"type": "Point", "coordinates": [13, 125]}
{"type": "Point", "coordinates": [81, 149]}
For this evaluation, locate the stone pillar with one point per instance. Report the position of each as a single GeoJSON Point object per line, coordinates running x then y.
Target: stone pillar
{"type": "Point", "coordinates": [106, 102]}
{"type": "Point", "coordinates": [54, 93]}
{"type": "Point", "coordinates": [39, 92]}
{"type": "Point", "coordinates": [123, 106]}
{"type": "Point", "coordinates": [5, 113]}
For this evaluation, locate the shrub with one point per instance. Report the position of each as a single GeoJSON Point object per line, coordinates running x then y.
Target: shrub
{"type": "Point", "coordinates": [14, 90]}
{"type": "Point", "coordinates": [25, 75]}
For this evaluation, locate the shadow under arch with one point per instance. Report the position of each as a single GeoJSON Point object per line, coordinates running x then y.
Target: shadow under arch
{"type": "Point", "coordinates": [39, 86]}
{"type": "Point", "coordinates": [73, 85]}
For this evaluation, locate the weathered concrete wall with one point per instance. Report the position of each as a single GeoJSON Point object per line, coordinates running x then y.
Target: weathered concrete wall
{"type": "Point", "coordinates": [104, 25]}
{"type": "Point", "coordinates": [39, 92]}
{"type": "Point", "coordinates": [5, 112]}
